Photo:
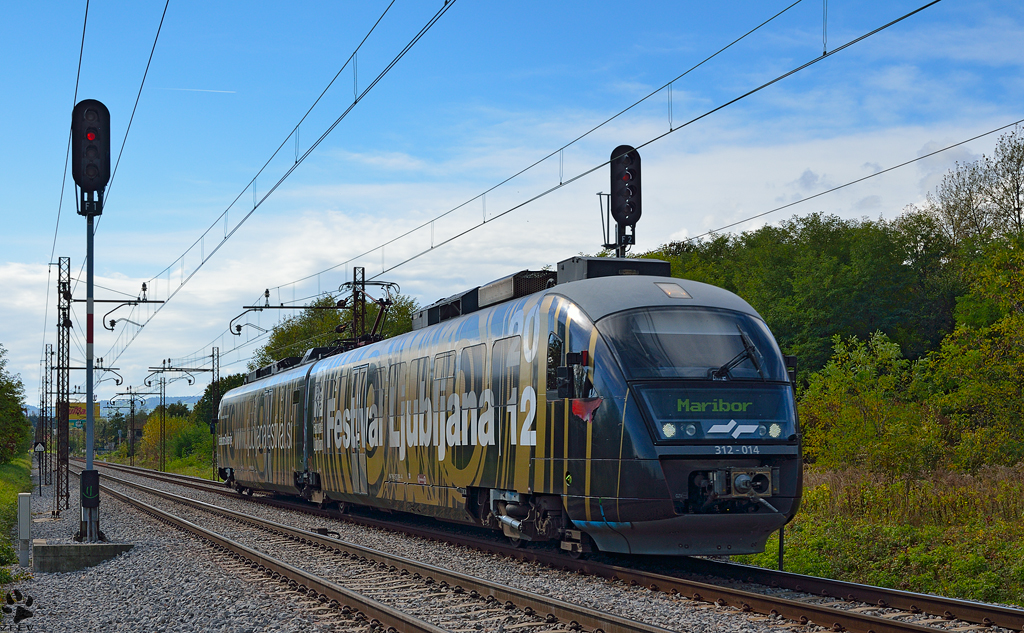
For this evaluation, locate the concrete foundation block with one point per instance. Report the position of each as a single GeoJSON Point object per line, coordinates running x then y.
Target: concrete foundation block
{"type": "Point", "coordinates": [64, 557]}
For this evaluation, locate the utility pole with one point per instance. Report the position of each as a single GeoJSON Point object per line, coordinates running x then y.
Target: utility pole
{"type": "Point", "coordinates": [90, 168]}
{"type": "Point", "coordinates": [215, 404]}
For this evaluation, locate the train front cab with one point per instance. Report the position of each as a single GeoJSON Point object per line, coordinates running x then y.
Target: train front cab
{"type": "Point", "coordinates": [694, 449]}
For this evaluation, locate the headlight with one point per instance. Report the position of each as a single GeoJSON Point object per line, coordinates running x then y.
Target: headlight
{"type": "Point", "coordinates": [691, 429]}
{"type": "Point", "coordinates": [762, 430]}
{"type": "Point", "coordinates": [775, 430]}
{"type": "Point", "coordinates": [668, 430]}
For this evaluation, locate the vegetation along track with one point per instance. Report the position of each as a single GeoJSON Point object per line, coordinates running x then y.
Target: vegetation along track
{"type": "Point", "coordinates": [835, 604]}
{"type": "Point", "coordinates": [467, 601]}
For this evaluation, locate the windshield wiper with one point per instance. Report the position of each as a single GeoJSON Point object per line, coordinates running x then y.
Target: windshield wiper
{"type": "Point", "coordinates": [749, 352]}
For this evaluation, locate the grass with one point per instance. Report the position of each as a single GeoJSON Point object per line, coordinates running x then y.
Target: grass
{"type": "Point", "coordinates": [15, 477]}
{"type": "Point", "coordinates": [196, 465]}
{"type": "Point", "coordinates": [954, 534]}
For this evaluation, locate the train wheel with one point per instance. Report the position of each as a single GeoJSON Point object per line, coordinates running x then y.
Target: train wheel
{"type": "Point", "coordinates": [342, 507]}
{"type": "Point", "coordinates": [248, 492]}
{"type": "Point", "coordinates": [515, 541]}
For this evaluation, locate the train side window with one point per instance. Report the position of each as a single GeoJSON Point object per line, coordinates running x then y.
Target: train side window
{"type": "Point", "coordinates": [471, 370]}
{"type": "Point", "coordinates": [396, 391]}
{"type": "Point", "coordinates": [505, 355]}
{"type": "Point", "coordinates": [556, 348]}
{"type": "Point", "coordinates": [444, 379]}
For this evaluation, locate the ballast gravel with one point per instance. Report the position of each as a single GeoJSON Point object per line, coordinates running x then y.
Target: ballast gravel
{"type": "Point", "coordinates": [671, 612]}
{"type": "Point", "coordinates": [166, 583]}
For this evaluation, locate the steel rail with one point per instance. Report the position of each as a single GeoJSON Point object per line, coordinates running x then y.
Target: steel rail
{"type": "Point", "coordinates": [914, 603]}
{"type": "Point", "coordinates": [563, 611]}
{"type": "Point", "coordinates": [947, 608]}
{"type": "Point", "coordinates": [324, 590]}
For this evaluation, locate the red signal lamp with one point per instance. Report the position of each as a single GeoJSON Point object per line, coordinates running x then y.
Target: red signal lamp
{"type": "Point", "coordinates": [91, 135]}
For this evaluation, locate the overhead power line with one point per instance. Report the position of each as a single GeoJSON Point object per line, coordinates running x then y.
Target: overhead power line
{"type": "Point", "coordinates": [550, 155]}
{"type": "Point", "coordinates": [259, 337]}
{"type": "Point", "coordinates": [298, 161]}
{"type": "Point", "coordinates": [605, 163]}
{"type": "Point", "coordinates": [586, 172]}
{"type": "Point", "coordinates": [145, 73]}
{"type": "Point", "coordinates": [852, 182]}
{"type": "Point", "coordinates": [63, 182]}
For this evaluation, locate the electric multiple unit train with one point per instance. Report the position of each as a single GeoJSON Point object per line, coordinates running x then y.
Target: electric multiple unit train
{"type": "Point", "coordinates": [606, 404]}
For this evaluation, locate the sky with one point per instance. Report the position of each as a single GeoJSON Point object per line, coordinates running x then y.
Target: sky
{"type": "Point", "coordinates": [489, 90]}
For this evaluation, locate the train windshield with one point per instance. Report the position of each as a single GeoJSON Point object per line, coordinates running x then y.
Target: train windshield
{"type": "Point", "coordinates": [693, 343]}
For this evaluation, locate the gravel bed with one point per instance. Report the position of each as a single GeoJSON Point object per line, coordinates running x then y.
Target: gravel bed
{"type": "Point", "coordinates": [660, 609]}
{"type": "Point", "coordinates": [168, 582]}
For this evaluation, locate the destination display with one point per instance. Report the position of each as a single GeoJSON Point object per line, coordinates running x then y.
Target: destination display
{"type": "Point", "coordinates": [680, 413]}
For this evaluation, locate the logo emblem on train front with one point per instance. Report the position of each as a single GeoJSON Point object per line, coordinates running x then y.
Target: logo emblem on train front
{"type": "Point", "coordinates": [740, 429]}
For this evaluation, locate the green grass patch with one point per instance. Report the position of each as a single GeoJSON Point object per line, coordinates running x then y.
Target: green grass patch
{"type": "Point", "coordinates": [952, 535]}
{"type": "Point", "coordinates": [196, 465]}
{"type": "Point", "coordinates": [15, 477]}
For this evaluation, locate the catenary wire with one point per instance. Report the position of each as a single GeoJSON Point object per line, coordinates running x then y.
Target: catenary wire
{"type": "Point", "coordinates": [551, 154]}
{"type": "Point", "coordinates": [128, 129]}
{"type": "Point", "coordinates": [663, 135]}
{"type": "Point", "coordinates": [652, 140]}
{"type": "Point", "coordinates": [287, 173]}
{"type": "Point", "coordinates": [64, 179]}
{"type": "Point", "coordinates": [291, 133]}
{"type": "Point", "coordinates": [748, 219]}
{"type": "Point", "coordinates": [605, 163]}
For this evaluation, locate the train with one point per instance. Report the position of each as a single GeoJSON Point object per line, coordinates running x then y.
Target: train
{"type": "Point", "coordinates": [603, 405]}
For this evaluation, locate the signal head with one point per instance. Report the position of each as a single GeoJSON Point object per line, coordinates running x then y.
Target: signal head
{"type": "Point", "coordinates": [90, 145]}
{"type": "Point", "coordinates": [625, 191]}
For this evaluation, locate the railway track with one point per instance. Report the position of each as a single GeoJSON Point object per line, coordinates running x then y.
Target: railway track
{"type": "Point", "coordinates": [804, 599]}
{"type": "Point", "coordinates": [469, 601]}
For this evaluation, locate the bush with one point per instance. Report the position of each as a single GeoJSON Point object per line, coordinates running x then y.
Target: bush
{"type": "Point", "coordinates": [952, 534]}
{"type": "Point", "coordinates": [855, 412]}
{"type": "Point", "coordinates": [15, 477]}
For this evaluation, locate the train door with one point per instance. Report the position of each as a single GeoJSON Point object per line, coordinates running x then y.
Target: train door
{"type": "Point", "coordinates": [357, 448]}
{"type": "Point", "coordinates": [266, 417]}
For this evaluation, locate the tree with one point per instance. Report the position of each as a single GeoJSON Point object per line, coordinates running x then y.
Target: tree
{"type": "Point", "coordinates": [15, 429]}
{"type": "Point", "coordinates": [976, 376]}
{"type": "Point", "coordinates": [860, 410]}
{"type": "Point", "coordinates": [317, 328]}
{"type": "Point", "coordinates": [816, 276]}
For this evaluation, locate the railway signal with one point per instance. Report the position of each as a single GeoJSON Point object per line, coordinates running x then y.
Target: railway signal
{"type": "Point", "coordinates": [625, 198]}
{"type": "Point", "coordinates": [90, 146]}
{"type": "Point", "coordinates": [90, 167]}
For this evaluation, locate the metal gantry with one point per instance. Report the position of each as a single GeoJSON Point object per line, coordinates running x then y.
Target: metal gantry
{"type": "Point", "coordinates": [167, 366]}
{"type": "Point", "coordinates": [61, 497]}
{"type": "Point", "coordinates": [133, 397]}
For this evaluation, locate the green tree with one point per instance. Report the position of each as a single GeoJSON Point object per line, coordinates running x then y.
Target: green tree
{"type": "Point", "coordinates": [976, 377]}
{"type": "Point", "coordinates": [817, 276]}
{"type": "Point", "coordinates": [860, 411]}
{"type": "Point", "coordinates": [15, 429]}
